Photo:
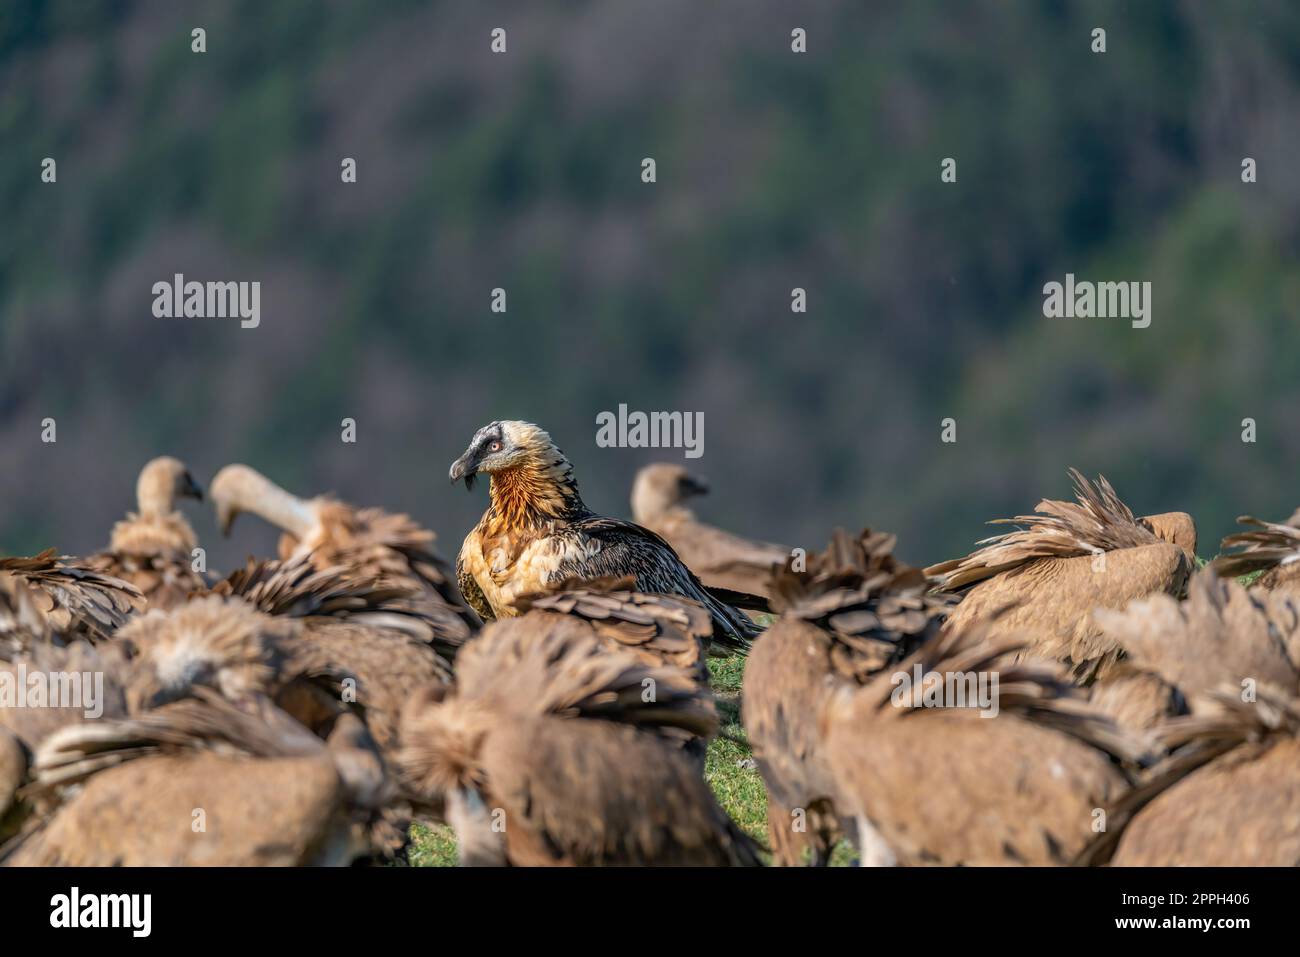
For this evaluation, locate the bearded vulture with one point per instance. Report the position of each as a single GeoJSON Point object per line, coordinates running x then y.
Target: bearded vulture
{"type": "Point", "coordinates": [537, 535]}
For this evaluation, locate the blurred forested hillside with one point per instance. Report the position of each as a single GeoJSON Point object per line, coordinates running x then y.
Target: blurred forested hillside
{"type": "Point", "coordinates": [775, 170]}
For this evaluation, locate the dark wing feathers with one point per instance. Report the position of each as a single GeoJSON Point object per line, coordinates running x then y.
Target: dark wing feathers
{"type": "Point", "coordinates": [625, 549]}
{"type": "Point", "coordinates": [740, 599]}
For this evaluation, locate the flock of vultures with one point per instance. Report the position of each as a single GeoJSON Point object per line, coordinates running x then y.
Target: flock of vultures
{"type": "Point", "coordinates": [1083, 692]}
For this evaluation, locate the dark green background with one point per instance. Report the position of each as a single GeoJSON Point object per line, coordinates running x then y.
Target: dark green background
{"type": "Point", "coordinates": [775, 170]}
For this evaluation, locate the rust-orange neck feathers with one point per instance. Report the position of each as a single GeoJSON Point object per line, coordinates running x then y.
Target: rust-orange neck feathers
{"type": "Point", "coordinates": [539, 490]}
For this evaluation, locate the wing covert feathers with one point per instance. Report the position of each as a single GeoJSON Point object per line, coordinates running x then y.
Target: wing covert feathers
{"type": "Point", "coordinates": [1098, 522]}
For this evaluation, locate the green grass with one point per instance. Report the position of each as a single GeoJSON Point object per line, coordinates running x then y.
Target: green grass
{"type": "Point", "coordinates": [1244, 580]}
{"type": "Point", "coordinates": [432, 846]}
{"type": "Point", "coordinates": [729, 766]}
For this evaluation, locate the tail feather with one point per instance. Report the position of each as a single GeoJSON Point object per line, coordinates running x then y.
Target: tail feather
{"type": "Point", "coordinates": [740, 599]}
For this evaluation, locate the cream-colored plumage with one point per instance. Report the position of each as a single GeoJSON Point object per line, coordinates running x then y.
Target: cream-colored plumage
{"type": "Point", "coordinates": [212, 641]}
{"type": "Point", "coordinates": [1178, 528]}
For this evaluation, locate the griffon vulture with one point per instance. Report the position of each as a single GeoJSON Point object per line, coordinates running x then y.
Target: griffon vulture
{"type": "Point", "coordinates": [376, 635]}
{"type": "Point", "coordinates": [537, 535]}
{"type": "Point", "coordinates": [1270, 547]}
{"type": "Point", "coordinates": [1226, 794]}
{"type": "Point", "coordinates": [1135, 697]}
{"type": "Point", "coordinates": [90, 687]}
{"type": "Point", "coordinates": [719, 558]}
{"type": "Point", "coordinates": [320, 644]}
{"type": "Point", "coordinates": [1067, 560]}
{"type": "Point", "coordinates": [294, 637]}
{"type": "Point", "coordinates": [369, 542]}
{"type": "Point", "coordinates": [555, 749]}
{"type": "Point", "coordinates": [853, 611]}
{"type": "Point", "coordinates": [201, 782]}
{"type": "Point", "coordinates": [153, 547]}
{"type": "Point", "coordinates": [1010, 776]}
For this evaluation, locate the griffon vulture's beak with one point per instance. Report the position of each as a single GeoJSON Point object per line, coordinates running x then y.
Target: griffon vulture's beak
{"type": "Point", "coordinates": [694, 485]}
{"type": "Point", "coordinates": [191, 488]}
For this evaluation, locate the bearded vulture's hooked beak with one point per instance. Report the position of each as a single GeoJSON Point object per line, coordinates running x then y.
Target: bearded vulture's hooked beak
{"type": "Point", "coordinates": [465, 467]}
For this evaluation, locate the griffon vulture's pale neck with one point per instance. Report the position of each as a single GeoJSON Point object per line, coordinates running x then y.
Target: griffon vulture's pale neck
{"type": "Point", "coordinates": [250, 491]}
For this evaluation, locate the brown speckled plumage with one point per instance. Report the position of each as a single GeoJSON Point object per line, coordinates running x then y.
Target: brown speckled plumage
{"type": "Point", "coordinates": [854, 610]}
{"type": "Point", "coordinates": [1225, 795]}
{"type": "Point", "coordinates": [658, 629]}
{"type": "Point", "coordinates": [573, 746]}
{"type": "Point", "coordinates": [73, 599]}
{"type": "Point", "coordinates": [947, 785]}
